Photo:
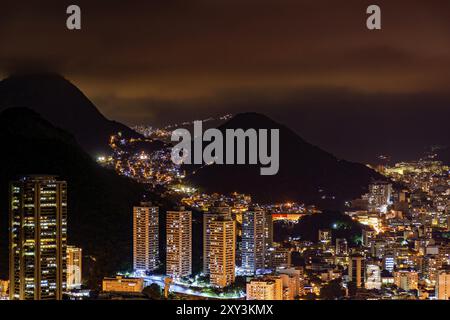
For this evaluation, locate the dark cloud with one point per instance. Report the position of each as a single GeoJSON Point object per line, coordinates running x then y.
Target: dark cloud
{"type": "Point", "coordinates": [157, 61]}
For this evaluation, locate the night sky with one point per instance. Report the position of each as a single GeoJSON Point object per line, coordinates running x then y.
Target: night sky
{"type": "Point", "coordinates": [311, 65]}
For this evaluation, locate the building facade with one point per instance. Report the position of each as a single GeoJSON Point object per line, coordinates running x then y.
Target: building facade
{"type": "Point", "coordinates": [293, 280]}
{"type": "Point", "coordinates": [253, 240]}
{"type": "Point", "coordinates": [74, 267]}
{"type": "Point", "coordinates": [280, 258]}
{"type": "Point", "coordinates": [179, 243]}
{"type": "Point", "coordinates": [406, 279]}
{"type": "Point", "coordinates": [356, 270]}
{"type": "Point", "coordinates": [121, 284]}
{"type": "Point", "coordinates": [145, 237]}
{"type": "Point", "coordinates": [222, 253]}
{"type": "Point", "coordinates": [443, 285]}
{"type": "Point", "coordinates": [373, 276]}
{"type": "Point", "coordinates": [325, 236]}
{"type": "Point", "coordinates": [379, 196]}
{"type": "Point", "coordinates": [216, 212]}
{"type": "Point", "coordinates": [38, 238]}
{"type": "Point", "coordinates": [341, 247]}
{"type": "Point", "coordinates": [270, 288]}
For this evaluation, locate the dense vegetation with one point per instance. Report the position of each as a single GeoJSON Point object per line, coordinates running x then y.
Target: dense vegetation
{"type": "Point", "coordinates": [341, 225]}
{"type": "Point", "coordinates": [99, 201]}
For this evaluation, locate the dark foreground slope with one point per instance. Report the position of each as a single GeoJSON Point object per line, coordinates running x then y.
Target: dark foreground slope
{"type": "Point", "coordinates": [306, 172]}
{"type": "Point", "coordinates": [100, 202]}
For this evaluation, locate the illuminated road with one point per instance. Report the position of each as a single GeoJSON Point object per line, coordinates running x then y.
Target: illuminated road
{"type": "Point", "coordinates": [185, 289]}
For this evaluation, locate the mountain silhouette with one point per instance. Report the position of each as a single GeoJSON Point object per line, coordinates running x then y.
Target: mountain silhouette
{"type": "Point", "coordinates": [306, 172]}
{"type": "Point", "coordinates": [99, 201]}
{"type": "Point", "coordinates": [65, 106]}
{"type": "Point", "coordinates": [444, 155]}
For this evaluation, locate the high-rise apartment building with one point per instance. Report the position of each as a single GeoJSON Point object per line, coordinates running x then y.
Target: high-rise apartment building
{"type": "Point", "coordinates": [406, 279]}
{"type": "Point", "coordinates": [356, 270]}
{"type": "Point", "coordinates": [38, 238]}
{"type": "Point", "coordinates": [373, 276]}
{"type": "Point", "coordinates": [145, 237]}
{"type": "Point", "coordinates": [179, 243]}
{"type": "Point", "coordinates": [121, 284]}
{"type": "Point", "coordinates": [293, 280]}
{"type": "Point", "coordinates": [222, 250]}
{"type": "Point", "coordinates": [269, 288]}
{"type": "Point", "coordinates": [4, 287]}
{"type": "Point", "coordinates": [379, 196]}
{"type": "Point", "coordinates": [378, 248]}
{"type": "Point", "coordinates": [280, 257]}
{"type": "Point", "coordinates": [74, 267]}
{"type": "Point", "coordinates": [367, 236]}
{"type": "Point", "coordinates": [268, 230]}
{"type": "Point", "coordinates": [389, 262]}
{"type": "Point", "coordinates": [253, 240]}
{"type": "Point", "coordinates": [219, 210]}
{"type": "Point", "coordinates": [268, 240]}
{"type": "Point", "coordinates": [325, 236]}
{"type": "Point", "coordinates": [341, 246]}
{"type": "Point", "coordinates": [443, 285]}
{"type": "Point", "coordinates": [430, 267]}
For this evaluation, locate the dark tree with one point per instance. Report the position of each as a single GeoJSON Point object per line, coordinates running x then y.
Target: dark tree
{"type": "Point", "coordinates": [153, 292]}
{"type": "Point", "coordinates": [352, 288]}
{"type": "Point", "coordinates": [332, 290]}
{"type": "Point", "coordinates": [310, 296]}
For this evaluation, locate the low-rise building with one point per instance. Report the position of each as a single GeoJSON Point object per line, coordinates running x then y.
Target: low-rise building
{"type": "Point", "coordinates": [121, 284]}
